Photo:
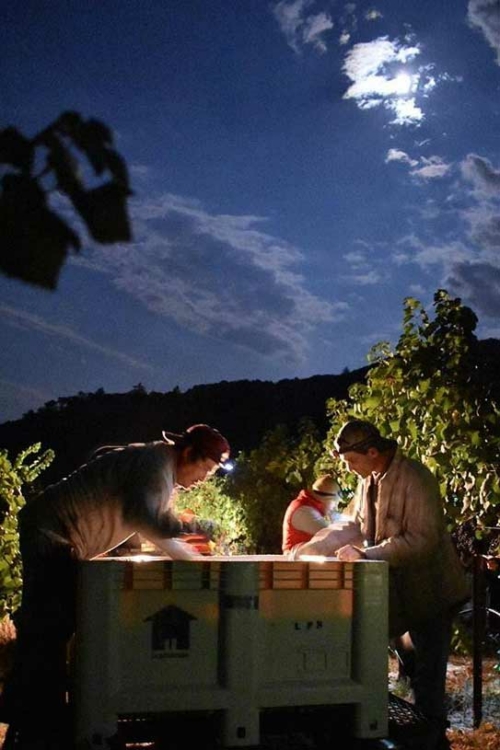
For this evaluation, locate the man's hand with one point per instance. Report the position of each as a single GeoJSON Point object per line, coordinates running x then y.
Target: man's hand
{"type": "Point", "coordinates": [349, 553]}
{"type": "Point", "coordinates": [206, 526]}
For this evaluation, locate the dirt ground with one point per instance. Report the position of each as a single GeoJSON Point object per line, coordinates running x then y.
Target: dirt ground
{"type": "Point", "coordinates": [459, 688]}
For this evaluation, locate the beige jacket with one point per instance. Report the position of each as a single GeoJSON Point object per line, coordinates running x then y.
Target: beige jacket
{"type": "Point", "coordinates": [426, 575]}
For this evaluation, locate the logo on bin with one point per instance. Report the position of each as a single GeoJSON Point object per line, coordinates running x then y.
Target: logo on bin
{"type": "Point", "coordinates": [170, 631]}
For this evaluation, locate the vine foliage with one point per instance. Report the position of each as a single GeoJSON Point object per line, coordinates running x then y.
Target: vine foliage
{"type": "Point", "coordinates": [16, 478]}
{"type": "Point", "coordinates": [427, 392]}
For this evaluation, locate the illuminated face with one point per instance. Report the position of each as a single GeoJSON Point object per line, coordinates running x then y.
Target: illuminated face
{"type": "Point", "coordinates": [190, 473]}
{"type": "Point", "coordinates": [361, 464]}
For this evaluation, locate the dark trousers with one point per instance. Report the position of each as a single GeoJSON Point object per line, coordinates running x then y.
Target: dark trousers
{"type": "Point", "coordinates": [35, 691]}
{"type": "Point", "coordinates": [425, 662]}
{"type": "Point", "coordinates": [431, 641]}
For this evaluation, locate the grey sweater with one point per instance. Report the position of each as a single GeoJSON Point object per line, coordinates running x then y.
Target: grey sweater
{"type": "Point", "coordinates": [124, 491]}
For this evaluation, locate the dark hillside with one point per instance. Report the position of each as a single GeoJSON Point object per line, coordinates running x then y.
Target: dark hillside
{"type": "Point", "coordinates": [243, 410]}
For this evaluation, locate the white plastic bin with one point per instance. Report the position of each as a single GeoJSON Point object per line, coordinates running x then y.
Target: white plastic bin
{"type": "Point", "coordinates": [232, 634]}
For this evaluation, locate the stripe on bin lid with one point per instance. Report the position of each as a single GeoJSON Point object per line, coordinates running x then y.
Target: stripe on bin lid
{"type": "Point", "coordinates": [166, 574]}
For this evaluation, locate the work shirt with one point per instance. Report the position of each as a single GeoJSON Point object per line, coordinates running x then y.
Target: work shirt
{"type": "Point", "coordinates": [99, 506]}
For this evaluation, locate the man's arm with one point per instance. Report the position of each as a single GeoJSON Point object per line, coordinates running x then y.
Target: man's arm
{"type": "Point", "coordinates": [327, 541]}
{"type": "Point", "coordinates": [176, 549]}
{"type": "Point", "coordinates": [309, 520]}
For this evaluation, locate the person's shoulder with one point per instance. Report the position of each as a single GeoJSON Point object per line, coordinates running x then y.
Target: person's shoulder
{"type": "Point", "coordinates": [154, 450]}
{"type": "Point", "coordinates": [129, 453]}
{"type": "Point", "coordinates": [153, 446]}
{"type": "Point", "coordinates": [415, 470]}
{"type": "Point", "coordinates": [401, 458]}
{"type": "Point", "coordinates": [159, 452]}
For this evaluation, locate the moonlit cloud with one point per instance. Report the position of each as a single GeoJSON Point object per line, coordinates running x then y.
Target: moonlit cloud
{"type": "Point", "coordinates": [406, 112]}
{"type": "Point", "coordinates": [314, 28]}
{"type": "Point", "coordinates": [362, 269]}
{"type": "Point", "coordinates": [367, 278]}
{"type": "Point", "coordinates": [28, 322]}
{"type": "Point", "coordinates": [428, 255]}
{"type": "Point", "coordinates": [417, 290]}
{"type": "Point", "coordinates": [376, 74]}
{"type": "Point", "coordinates": [432, 168]}
{"type": "Point", "coordinates": [217, 275]}
{"type": "Point", "coordinates": [423, 168]}
{"type": "Point", "coordinates": [470, 264]}
{"type": "Point", "coordinates": [479, 283]}
{"type": "Point", "coordinates": [485, 232]}
{"type": "Point", "coordinates": [300, 27]}
{"type": "Point", "coordinates": [384, 73]}
{"type": "Point", "coordinates": [373, 15]}
{"type": "Point", "coordinates": [481, 173]}
{"type": "Point", "coordinates": [364, 62]}
{"type": "Point", "coordinates": [482, 216]}
{"type": "Point", "coordinates": [140, 170]}
{"type": "Point", "coordinates": [395, 154]}
{"type": "Point", "coordinates": [477, 278]}
{"type": "Point", "coordinates": [355, 258]}
{"type": "Point", "coordinates": [485, 15]}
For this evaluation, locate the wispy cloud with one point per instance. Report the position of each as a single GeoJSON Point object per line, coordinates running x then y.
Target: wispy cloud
{"type": "Point", "coordinates": [485, 232]}
{"type": "Point", "coordinates": [431, 168]}
{"type": "Point", "coordinates": [369, 277]}
{"type": "Point", "coordinates": [361, 265]}
{"type": "Point", "coordinates": [470, 263]}
{"type": "Point", "coordinates": [478, 278]}
{"type": "Point", "coordinates": [141, 171]}
{"type": "Point", "coordinates": [480, 172]}
{"type": "Point", "coordinates": [482, 216]}
{"type": "Point", "coordinates": [373, 14]}
{"type": "Point", "coordinates": [28, 322]}
{"type": "Point", "coordinates": [395, 154]}
{"type": "Point", "coordinates": [446, 255]}
{"type": "Point", "coordinates": [479, 283]}
{"type": "Point", "coordinates": [301, 27]}
{"type": "Point", "coordinates": [217, 275]}
{"type": "Point", "coordinates": [485, 15]}
{"type": "Point", "coordinates": [424, 168]}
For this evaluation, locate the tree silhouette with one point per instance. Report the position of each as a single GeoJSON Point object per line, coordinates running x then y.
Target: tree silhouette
{"type": "Point", "coordinates": [34, 239]}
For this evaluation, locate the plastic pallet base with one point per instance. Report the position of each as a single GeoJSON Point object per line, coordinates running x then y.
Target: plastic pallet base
{"type": "Point", "coordinates": [407, 726]}
{"type": "Point", "coordinates": [408, 730]}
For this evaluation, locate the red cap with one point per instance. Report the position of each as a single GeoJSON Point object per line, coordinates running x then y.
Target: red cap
{"type": "Point", "coordinates": [206, 440]}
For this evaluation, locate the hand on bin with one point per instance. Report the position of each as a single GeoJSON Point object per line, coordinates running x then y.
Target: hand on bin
{"type": "Point", "coordinates": [205, 526]}
{"type": "Point", "coordinates": [191, 524]}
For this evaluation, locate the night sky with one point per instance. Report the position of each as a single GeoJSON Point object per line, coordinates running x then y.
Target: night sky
{"type": "Point", "coordinates": [298, 167]}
